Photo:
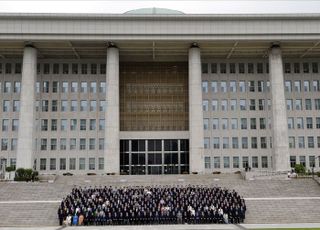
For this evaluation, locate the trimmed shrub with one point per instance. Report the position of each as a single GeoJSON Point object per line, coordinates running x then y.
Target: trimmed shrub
{"type": "Point", "coordinates": [300, 169]}
{"type": "Point", "coordinates": [10, 168]}
{"type": "Point", "coordinates": [26, 175]}
{"type": "Point", "coordinates": [318, 174]}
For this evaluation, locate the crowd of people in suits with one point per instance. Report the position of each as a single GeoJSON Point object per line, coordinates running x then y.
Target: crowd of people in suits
{"type": "Point", "coordinates": [192, 204]}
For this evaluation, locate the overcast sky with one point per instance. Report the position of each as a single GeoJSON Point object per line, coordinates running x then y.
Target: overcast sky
{"type": "Point", "coordinates": [196, 7]}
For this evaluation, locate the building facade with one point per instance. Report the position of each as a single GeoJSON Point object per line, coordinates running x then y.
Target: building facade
{"type": "Point", "coordinates": [159, 92]}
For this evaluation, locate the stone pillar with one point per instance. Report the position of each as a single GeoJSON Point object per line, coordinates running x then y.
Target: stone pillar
{"type": "Point", "coordinates": [195, 111]}
{"type": "Point", "coordinates": [27, 109]}
{"type": "Point", "coordinates": [112, 119]}
{"type": "Point", "coordinates": [279, 111]}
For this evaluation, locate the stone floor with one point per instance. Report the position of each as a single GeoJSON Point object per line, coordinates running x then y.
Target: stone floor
{"type": "Point", "coordinates": [268, 201]}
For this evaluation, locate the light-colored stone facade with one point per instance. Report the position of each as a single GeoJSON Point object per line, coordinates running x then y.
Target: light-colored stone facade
{"type": "Point", "coordinates": [60, 97]}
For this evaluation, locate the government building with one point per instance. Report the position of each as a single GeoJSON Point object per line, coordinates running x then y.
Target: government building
{"type": "Point", "coordinates": [157, 91]}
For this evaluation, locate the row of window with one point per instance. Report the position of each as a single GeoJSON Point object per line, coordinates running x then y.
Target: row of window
{"type": "Point", "coordinates": [234, 86]}
{"type": "Point", "coordinates": [261, 86]}
{"type": "Point", "coordinates": [64, 144]}
{"type": "Point", "coordinates": [65, 106]}
{"type": "Point", "coordinates": [73, 87]}
{"type": "Point", "coordinates": [308, 105]}
{"type": "Point", "coordinates": [299, 142]}
{"type": "Point", "coordinates": [215, 162]}
{"type": "Point", "coordinates": [302, 161]}
{"type": "Point", "coordinates": [298, 88]}
{"type": "Point", "coordinates": [259, 68]}
{"type": "Point", "coordinates": [83, 164]}
{"type": "Point", "coordinates": [56, 68]}
{"type": "Point", "coordinates": [235, 142]}
{"type": "Point", "coordinates": [232, 123]}
{"type": "Point", "coordinates": [73, 124]}
{"type": "Point", "coordinates": [298, 122]}
{"type": "Point", "coordinates": [237, 104]}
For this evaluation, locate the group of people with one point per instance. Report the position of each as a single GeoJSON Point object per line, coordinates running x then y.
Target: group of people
{"type": "Point", "coordinates": [192, 204]}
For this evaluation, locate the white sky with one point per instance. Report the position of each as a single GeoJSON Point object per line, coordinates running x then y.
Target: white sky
{"type": "Point", "coordinates": [196, 7]}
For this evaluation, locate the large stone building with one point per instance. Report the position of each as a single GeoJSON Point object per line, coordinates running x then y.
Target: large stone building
{"type": "Point", "coordinates": [156, 91]}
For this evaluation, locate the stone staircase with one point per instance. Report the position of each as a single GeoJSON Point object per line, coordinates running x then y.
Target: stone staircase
{"type": "Point", "coordinates": [15, 212]}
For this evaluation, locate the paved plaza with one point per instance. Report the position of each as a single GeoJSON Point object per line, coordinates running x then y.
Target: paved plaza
{"type": "Point", "coordinates": [274, 201]}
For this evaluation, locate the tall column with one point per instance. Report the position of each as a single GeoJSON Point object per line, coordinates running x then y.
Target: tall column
{"type": "Point", "coordinates": [195, 111]}
{"type": "Point", "coordinates": [279, 111]}
{"type": "Point", "coordinates": [112, 120]}
{"type": "Point", "coordinates": [27, 110]}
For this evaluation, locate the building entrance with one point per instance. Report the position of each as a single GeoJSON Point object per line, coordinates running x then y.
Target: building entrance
{"type": "Point", "coordinates": [168, 156]}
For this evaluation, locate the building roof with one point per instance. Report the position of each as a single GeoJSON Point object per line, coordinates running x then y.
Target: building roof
{"type": "Point", "coordinates": [154, 10]}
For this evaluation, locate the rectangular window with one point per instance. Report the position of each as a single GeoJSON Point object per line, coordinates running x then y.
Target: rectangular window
{"type": "Point", "coordinates": [236, 163]}
{"type": "Point", "coordinates": [223, 68]}
{"type": "Point", "coordinates": [250, 68]}
{"type": "Point", "coordinates": [92, 124]}
{"type": "Point", "coordinates": [308, 104]}
{"type": "Point", "coordinates": [297, 86]}
{"type": "Point", "coordinates": [244, 124]}
{"type": "Point", "coordinates": [252, 104]}
{"type": "Point", "coordinates": [205, 105]}
{"type": "Point", "coordinates": [15, 125]}
{"type": "Point", "coordinates": [206, 143]}
{"type": "Point", "coordinates": [225, 143]}
{"type": "Point", "coordinates": [242, 86]}
{"type": "Point", "coordinates": [83, 124]}
{"type": "Point", "coordinates": [204, 87]}
{"type": "Point", "coordinates": [318, 122]}
{"type": "Point", "coordinates": [251, 86]}
{"type": "Point", "coordinates": [73, 143]}
{"type": "Point", "coordinates": [74, 68]}
{"type": "Point", "coordinates": [102, 88]}
{"type": "Point", "coordinates": [102, 68]}
{"type": "Point", "coordinates": [64, 88]}
{"type": "Point", "coordinates": [264, 162]}
{"type": "Point", "coordinates": [53, 144]}
{"type": "Point", "coordinates": [302, 160]}
{"type": "Point", "coordinates": [263, 142]}
{"type": "Point", "coordinates": [207, 162]}
{"type": "Point", "coordinates": [224, 105]}
{"type": "Point", "coordinates": [306, 86]}
{"type": "Point", "coordinates": [72, 163]}
{"type": "Point", "coordinates": [235, 142]}
{"type": "Point", "coordinates": [315, 67]}
{"type": "Point", "coordinates": [82, 144]}
{"type": "Point", "coordinates": [317, 104]}
{"type": "Point", "coordinates": [83, 106]}
{"type": "Point", "coordinates": [101, 163]}
{"type": "Point", "coordinates": [232, 68]}
{"type": "Point", "coordinates": [300, 123]}
{"type": "Point", "coordinates": [245, 162]}
{"type": "Point", "coordinates": [223, 86]}
{"type": "Point", "coordinates": [101, 124]}
{"type": "Point", "coordinates": [84, 69]}
{"type": "Point", "coordinates": [84, 87]}
{"type": "Point", "coordinates": [74, 87]}
{"type": "Point", "coordinates": [255, 162]}
{"type": "Point", "coordinates": [293, 161]}
{"type": "Point", "coordinates": [214, 68]}
{"type": "Point", "coordinates": [64, 106]}
{"type": "Point", "coordinates": [216, 162]}
{"type": "Point", "coordinates": [254, 143]}
{"type": "Point", "coordinates": [56, 68]}
{"type": "Point", "coordinates": [82, 163]}
{"type": "Point", "coordinates": [253, 123]}
{"type": "Point", "coordinates": [290, 123]}
{"type": "Point", "coordinates": [287, 67]}
{"type": "Point", "coordinates": [296, 67]}
{"type": "Point", "coordinates": [226, 162]}
{"type": "Point", "coordinates": [216, 143]}
{"type": "Point", "coordinates": [206, 124]}
{"type": "Point", "coordinates": [292, 143]}
{"type": "Point", "coordinates": [310, 142]}
{"type": "Point", "coordinates": [243, 105]}
{"type": "Point", "coordinates": [63, 163]}
{"type": "Point", "coordinates": [260, 86]}
{"type": "Point", "coordinates": [309, 123]}
{"type": "Point", "coordinates": [101, 143]}
{"type": "Point", "coordinates": [65, 68]}
{"type": "Point", "coordinates": [214, 86]}
{"type": "Point", "coordinates": [63, 144]}
{"type": "Point", "coordinates": [92, 163]}
{"type": "Point", "coordinates": [43, 164]}
{"type": "Point", "coordinates": [312, 161]}
{"type": "Point", "coordinates": [204, 67]}
{"type": "Point", "coordinates": [301, 143]}
{"type": "Point", "coordinates": [55, 87]}
{"type": "Point", "coordinates": [64, 124]}
{"type": "Point", "coordinates": [305, 67]}
{"type": "Point", "coordinates": [214, 105]}
{"type": "Point", "coordinates": [43, 144]}
{"type": "Point", "coordinates": [234, 123]}
{"type": "Point", "coordinates": [93, 68]}
{"type": "Point", "coordinates": [74, 106]}
{"type": "Point", "coordinates": [241, 68]}
{"type": "Point", "coordinates": [54, 124]}
{"type": "Point", "coordinates": [233, 104]}
{"type": "Point", "coordinates": [92, 144]}
{"type": "Point", "coordinates": [93, 106]}
{"type": "Point", "coordinates": [4, 144]}
{"type": "Point", "coordinates": [53, 164]}
{"type": "Point", "coordinates": [298, 104]}
{"type": "Point", "coordinates": [260, 68]}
